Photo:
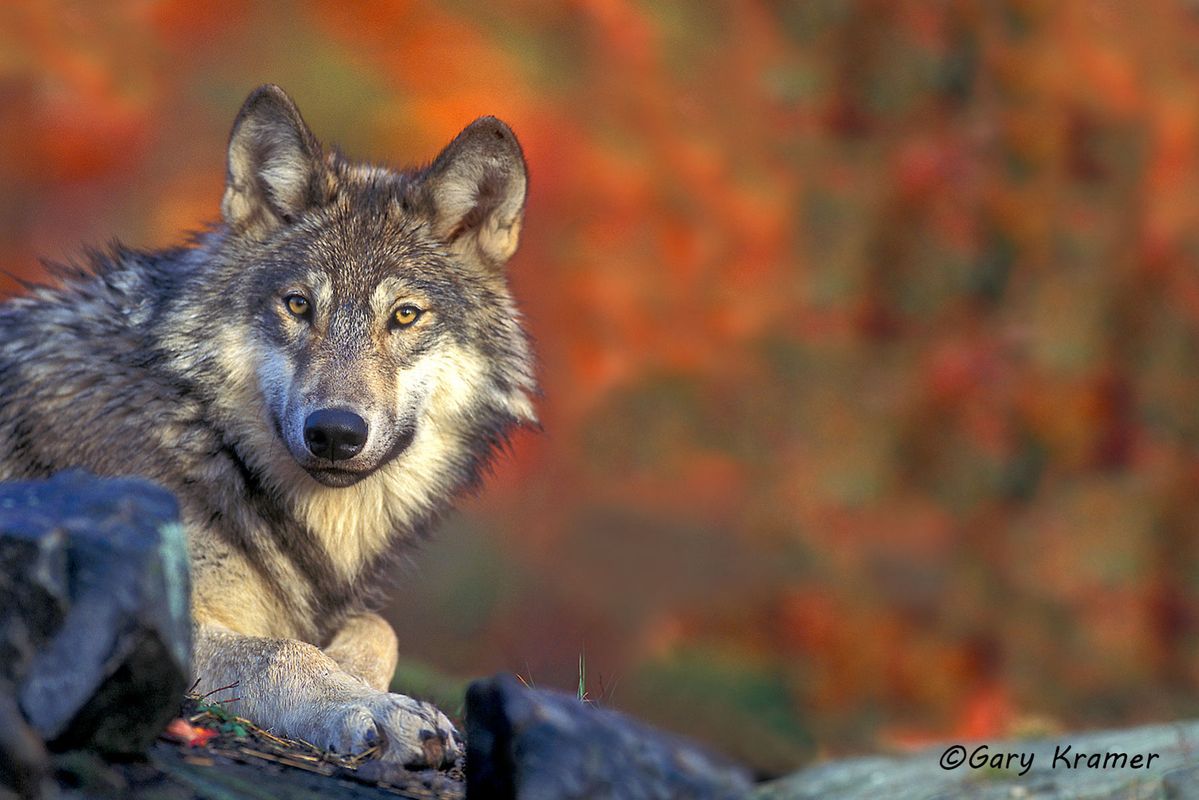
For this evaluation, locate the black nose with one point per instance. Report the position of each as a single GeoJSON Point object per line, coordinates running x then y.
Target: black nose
{"type": "Point", "coordinates": [334, 433]}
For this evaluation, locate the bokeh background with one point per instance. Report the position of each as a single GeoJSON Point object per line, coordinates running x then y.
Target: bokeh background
{"type": "Point", "coordinates": [868, 333]}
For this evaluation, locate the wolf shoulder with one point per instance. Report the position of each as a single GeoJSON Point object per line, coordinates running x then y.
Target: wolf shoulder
{"type": "Point", "coordinates": [84, 379]}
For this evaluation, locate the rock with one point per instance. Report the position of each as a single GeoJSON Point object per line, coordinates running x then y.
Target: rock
{"type": "Point", "coordinates": [535, 744]}
{"type": "Point", "coordinates": [1054, 770]}
{"type": "Point", "coordinates": [94, 620]}
{"type": "Point", "coordinates": [24, 763]}
{"type": "Point", "coordinates": [173, 773]}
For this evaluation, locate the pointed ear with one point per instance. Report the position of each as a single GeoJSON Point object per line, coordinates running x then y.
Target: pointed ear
{"type": "Point", "coordinates": [274, 164]}
{"type": "Point", "coordinates": [474, 192]}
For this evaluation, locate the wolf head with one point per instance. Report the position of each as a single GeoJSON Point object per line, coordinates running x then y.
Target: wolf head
{"type": "Point", "coordinates": [378, 332]}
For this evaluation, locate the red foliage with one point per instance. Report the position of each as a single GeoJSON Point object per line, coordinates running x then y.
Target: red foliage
{"type": "Point", "coordinates": [182, 731]}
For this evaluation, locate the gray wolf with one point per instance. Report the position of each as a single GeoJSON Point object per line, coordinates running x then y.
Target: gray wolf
{"type": "Point", "coordinates": [316, 377]}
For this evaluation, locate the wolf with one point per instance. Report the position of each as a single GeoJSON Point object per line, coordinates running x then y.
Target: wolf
{"type": "Point", "coordinates": [317, 376]}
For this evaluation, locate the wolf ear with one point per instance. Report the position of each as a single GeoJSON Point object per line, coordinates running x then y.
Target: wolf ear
{"type": "Point", "coordinates": [274, 162]}
{"type": "Point", "coordinates": [474, 192]}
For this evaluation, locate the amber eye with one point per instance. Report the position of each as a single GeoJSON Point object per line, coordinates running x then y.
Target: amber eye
{"type": "Point", "coordinates": [298, 304]}
{"type": "Point", "coordinates": [405, 315]}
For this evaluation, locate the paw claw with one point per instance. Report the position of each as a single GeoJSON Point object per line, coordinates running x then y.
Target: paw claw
{"type": "Point", "coordinates": [432, 748]}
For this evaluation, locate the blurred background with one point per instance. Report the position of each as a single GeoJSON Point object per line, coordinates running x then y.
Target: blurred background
{"type": "Point", "coordinates": [868, 334]}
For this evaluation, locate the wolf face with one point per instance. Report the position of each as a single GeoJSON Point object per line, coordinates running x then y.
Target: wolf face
{"type": "Point", "coordinates": [357, 321]}
{"type": "Point", "coordinates": [377, 308]}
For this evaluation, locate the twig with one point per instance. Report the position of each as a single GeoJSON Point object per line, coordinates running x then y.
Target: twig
{"type": "Point", "coordinates": [219, 689]}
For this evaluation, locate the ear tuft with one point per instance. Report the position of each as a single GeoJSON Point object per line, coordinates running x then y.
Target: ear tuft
{"type": "Point", "coordinates": [474, 192]}
{"type": "Point", "coordinates": [274, 163]}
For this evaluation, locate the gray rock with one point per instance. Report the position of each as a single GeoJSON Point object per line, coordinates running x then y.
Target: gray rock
{"type": "Point", "coordinates": [94, 620]}
{"type": "Point", "coordinates": [535, 744]}
{"type": "Point", "coordinates": [1054, 770]}
{"type": "Point", "coordinates": [1181, 784]}
{"type": "Point", "coordinates": [24, 763]}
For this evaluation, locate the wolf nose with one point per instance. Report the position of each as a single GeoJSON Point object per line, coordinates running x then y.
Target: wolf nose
{"type": "Point", "coordinates": [334, 433]}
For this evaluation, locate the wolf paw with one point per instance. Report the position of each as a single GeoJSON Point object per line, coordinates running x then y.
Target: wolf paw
{"type": "Point", "coordinates": [408, 731]}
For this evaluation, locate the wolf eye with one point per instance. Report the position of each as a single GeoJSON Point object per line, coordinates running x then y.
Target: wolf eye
{"type": "Point", "coordinates": [298, 304]}
{"type": "Point", "coordinates": [405, 315]}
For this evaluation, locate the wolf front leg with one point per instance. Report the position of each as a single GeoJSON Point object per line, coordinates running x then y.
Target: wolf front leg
{"type": "Point", "coordinates": [296, 690]}
{"type": "Point", "coordinates": [366, 648]}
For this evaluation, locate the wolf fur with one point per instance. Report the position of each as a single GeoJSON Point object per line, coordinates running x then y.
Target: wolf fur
{"type": "Point", "coordinates": [198, 368]}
